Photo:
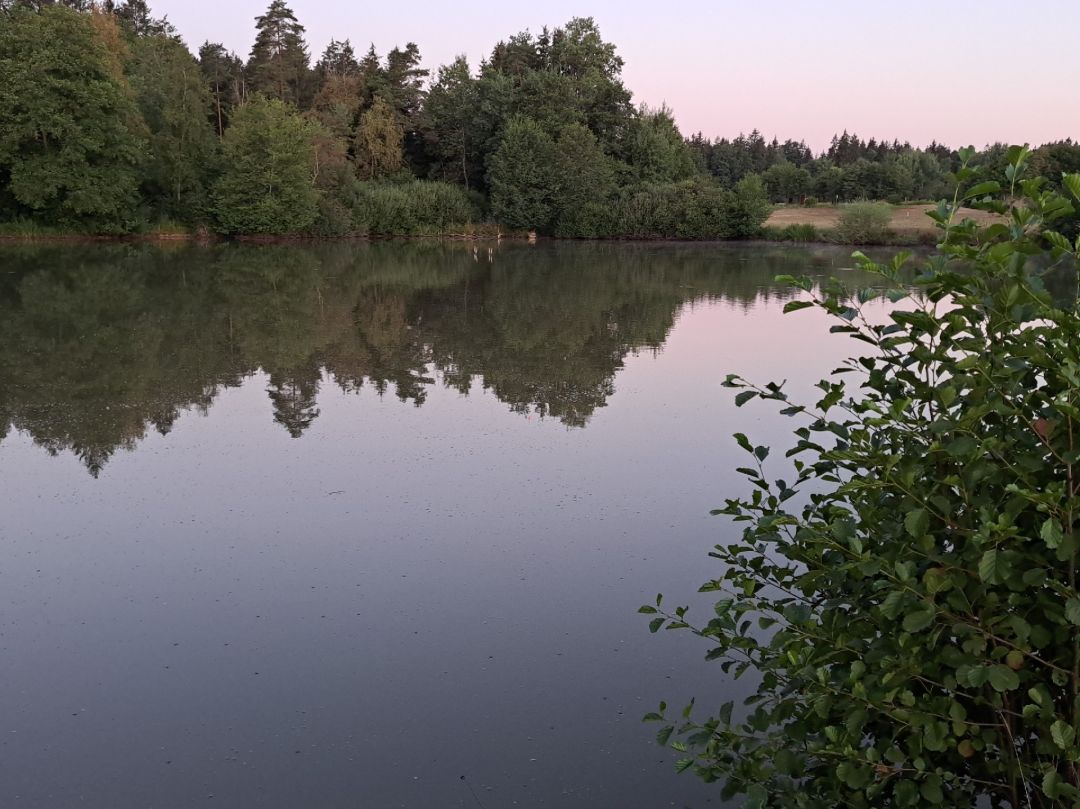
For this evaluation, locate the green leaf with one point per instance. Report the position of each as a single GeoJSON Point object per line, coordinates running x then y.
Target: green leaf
{"type": "Point", "coordinates": [786, 763]}
{"type": "Point", "coordinates": [655, 624]}
{"type": "Point", "coordinates": [1058, 241]}
{"type": "Point", "coordinates": [906, 793]}
{"type": "Point", "coordinates": [725, 712]}
{"type": "Point", "coordinates": [663, 735]}
{"type": "Point", "coordinates": [893, 603]}
{"type": "Point", "coordinates": [992, 567]}
{"type": "Point", "coordinates": [982, 189]}
{"type": "Point", "coordinates": [1002, 678]}
{"type": "Point", "coordinates": [917, 522]}
{"type": "Point", "coordinates": [795, 306]}
{"type": "Point", "coordinates": [756, 796]}
{"type": "Point", "coordinates": [744, 397]}
{"type": "Point", "coordinates": [647, 610]}
{"type": "Point", "coordinates": [931, 789]}
{"type": "Point", "coordinates": [1051, 784]}
{"type": "Point", "coordinates": [855, 722]}
{"type": "Point", "coordinates": [1072, 611]}
{"type": "Point", "coordinates": [1063, 734]}
{"type": "Point", "coordinates": [1072, 182]}
{"type": "Point", "coordinates": [918, 621]}
{"type": "Point", "coordinates": [1051, 533]}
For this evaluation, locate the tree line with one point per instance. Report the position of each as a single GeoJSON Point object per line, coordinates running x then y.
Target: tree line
{"type": "Point", "coordinates": [108, 123]}
{"type": "Point", "coordinates": [853, 169]}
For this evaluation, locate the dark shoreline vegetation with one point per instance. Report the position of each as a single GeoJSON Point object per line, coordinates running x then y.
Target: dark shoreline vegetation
{"type": "Point", "coordinates": [111, 127]}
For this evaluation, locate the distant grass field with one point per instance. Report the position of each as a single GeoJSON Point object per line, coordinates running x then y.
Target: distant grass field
{"type": "Point", "coordinates": [908, 220]}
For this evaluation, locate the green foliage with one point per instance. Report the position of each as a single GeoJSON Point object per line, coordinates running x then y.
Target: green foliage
{"type": "Point", "coordinates": [656, 151]}
{"type": "Point", "coordinates": [223, 76]}
{"type": "Point", "coordinates": [793, 233]}
{"type": "Point", "coordinates": [278, 65]}
{"type": "Point", "coordinates": [785, 182]}
{"type": "Point", "coordinates": [102, 128]}
{"type": "Point", "coordinates": [564, 76]}
{"type": "Point", "coordinates": [694, 209]}
{"type": "Point", "coordinates": [521, 176]}
{"type": "Point", "coordinates": [864, 223]}
{"type": "Point", "coordinates": [70, 140]}
{"type": "Point", "coordinates": [748, 208]}
{"type": "Point", "coordinates": [910, 603]}
{"type": "Point", "coordinates": [451, 133]}
{"type": "Point", "coordinates": [585, 180]}
{"type": "Point", "coordinates": [174, 101]}
{"type": "Point", "coordinates": [378, 143]}
{"type": "Point", "coordinates": [266, 184]}
{"type": "Point", "coordinates": [420, 207]}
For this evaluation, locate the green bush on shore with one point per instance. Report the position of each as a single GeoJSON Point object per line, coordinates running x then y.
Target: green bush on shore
{"type": "Point", "coordinates": [864, 223]}
{"type": "Point", "coordinates": [904, 590]}
{"type": "Point", "coordinates": [416, 208]}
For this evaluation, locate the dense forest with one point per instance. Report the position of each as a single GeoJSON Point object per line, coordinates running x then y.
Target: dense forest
{"type": "Point", "coordinates": [109, 124]}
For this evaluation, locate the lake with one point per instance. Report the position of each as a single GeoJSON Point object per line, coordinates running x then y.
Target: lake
{"type": "Point", "coordinates": [336, 526]}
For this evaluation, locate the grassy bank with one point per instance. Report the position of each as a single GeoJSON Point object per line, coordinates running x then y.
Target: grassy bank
{"type": "Point", "coordinates": [905, 224]}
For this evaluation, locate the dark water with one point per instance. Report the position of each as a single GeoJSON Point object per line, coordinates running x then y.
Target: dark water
{"type": "Point", "coordinates": [289, 527]}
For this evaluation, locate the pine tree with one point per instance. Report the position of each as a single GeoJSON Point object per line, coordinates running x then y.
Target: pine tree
{"type": "Point", "coordinates": [339, 59]}
{"type": "Point", "coordinates": [449, 137]}
{"type": "Point", "coordinates": [404, 88]}
{"type": "Point", "coordinates": [136, 17]}
{"type": "Point", "coordinates": [278, 65]}
{"type": "Point", "coordinates": [223, 75]}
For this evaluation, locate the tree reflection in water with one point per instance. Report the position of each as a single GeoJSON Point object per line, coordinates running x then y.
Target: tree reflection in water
{"type": "Point", "coordinates": [99, 344]}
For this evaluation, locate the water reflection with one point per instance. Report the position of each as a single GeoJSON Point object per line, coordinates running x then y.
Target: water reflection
{"type": "Point", "coordinates": [101, 344]}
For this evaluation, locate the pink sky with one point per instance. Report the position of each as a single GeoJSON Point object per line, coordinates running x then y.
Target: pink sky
{"type": "Point", "coordinates": [916, 70]}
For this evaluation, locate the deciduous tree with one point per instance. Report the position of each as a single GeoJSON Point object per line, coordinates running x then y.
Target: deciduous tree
{"type": "Point", "coordinates": [268, 173]}
{"type": "Point", "coordinates": [70, 146]}
{"type": "Point", "coordinates": [377, 147]}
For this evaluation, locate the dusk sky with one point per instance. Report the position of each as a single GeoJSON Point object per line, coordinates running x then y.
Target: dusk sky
{"type": "Point", "coordinates": [916, 70]}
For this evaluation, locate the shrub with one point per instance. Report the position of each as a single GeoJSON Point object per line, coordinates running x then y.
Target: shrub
{"type": "Point", "coordinates": [521, 175]}
{"type": "Point", "coordinates": [697, 209]}
{"type": "Point", "coordinates": [915, 623]}
{"type": "Point", "coordinates": [747, 208]}
{"type": "Point", "coordinates": [420, 207]}
{"type": "Point", "coordinates": [810, 202]}
{"type": "Point", "coordinates": [265, 185]}
{"type": "Point", "coordinates": [799, 233]}
{"type": "Point", "coordinates": [864, 223]}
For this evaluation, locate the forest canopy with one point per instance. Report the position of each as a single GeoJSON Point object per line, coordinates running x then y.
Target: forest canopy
{"type": "Point", "coordinates": [110, 124]}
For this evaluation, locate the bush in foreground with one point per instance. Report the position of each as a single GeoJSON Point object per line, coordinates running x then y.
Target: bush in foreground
{"type": "Point", "coordinates": [915, 625]}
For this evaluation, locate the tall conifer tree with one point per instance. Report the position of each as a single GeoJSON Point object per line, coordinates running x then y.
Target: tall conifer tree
{"type": "Point", "coordinates": [278, 65]}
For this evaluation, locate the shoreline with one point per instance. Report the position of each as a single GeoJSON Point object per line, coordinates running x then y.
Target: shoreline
{"type": "Point", "coordinates": [206, 240]}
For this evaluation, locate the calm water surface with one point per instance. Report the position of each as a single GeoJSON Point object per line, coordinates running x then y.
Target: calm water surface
{"type": "Point", "coordinates": [290, 527]}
